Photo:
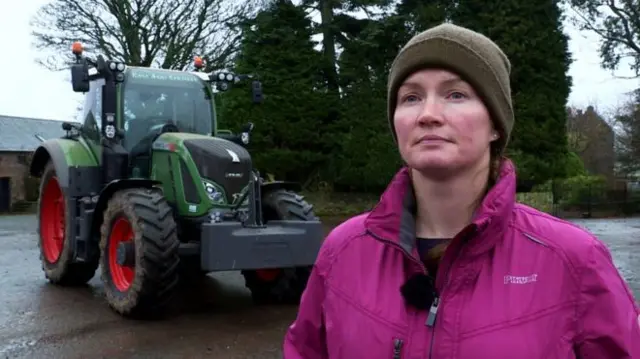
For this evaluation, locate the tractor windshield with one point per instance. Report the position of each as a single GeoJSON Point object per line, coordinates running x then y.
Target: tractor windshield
{"type": "Point", "coordinates": [149, 106]}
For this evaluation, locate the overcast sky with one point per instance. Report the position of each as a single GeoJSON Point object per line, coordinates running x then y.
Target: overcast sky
{"type": "Point", "coordinates": [28, 90]}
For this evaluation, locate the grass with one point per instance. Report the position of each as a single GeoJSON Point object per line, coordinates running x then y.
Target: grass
{"type": "Point", "coordinates": [542, 201]}
{"type": "Point", "coordinates": [343, 205]}
{"type": "Point", "coordinates": [335, 205]}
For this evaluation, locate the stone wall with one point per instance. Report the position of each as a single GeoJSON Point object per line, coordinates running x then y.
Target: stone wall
{"type": "Point", "coordinates": [15, 166]}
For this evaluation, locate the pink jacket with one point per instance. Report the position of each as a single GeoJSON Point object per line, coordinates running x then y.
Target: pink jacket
{"type": "Point", "coordinates": [517, 283]}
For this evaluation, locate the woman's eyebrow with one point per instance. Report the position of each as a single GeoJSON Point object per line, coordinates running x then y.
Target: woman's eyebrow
{"type": "Point", "coordinates": [412, 85]}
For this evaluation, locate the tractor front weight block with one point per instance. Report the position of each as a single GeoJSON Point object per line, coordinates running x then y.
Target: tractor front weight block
{"type": "Point", "coordinates": [230, 246]}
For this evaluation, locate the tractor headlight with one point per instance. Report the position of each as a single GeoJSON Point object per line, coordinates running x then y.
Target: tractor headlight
{"type": "Point", "coordinates": [213, 193]}
{"type": "Point", "coordinates": [110, 131]}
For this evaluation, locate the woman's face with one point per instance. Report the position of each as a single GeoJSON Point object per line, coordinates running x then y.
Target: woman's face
{"type": "Point", "coordinates": [441, 123]}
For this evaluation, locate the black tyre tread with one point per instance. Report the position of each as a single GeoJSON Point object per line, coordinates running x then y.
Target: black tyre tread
{"type": "Point", "coordinates": [64, 272]}
{"type": "Point", "coordinates": [157, 259]}
{"type": "Point", "coordinates": [287, 288]}
{"type": "Point", "coordinates": [289, 205]}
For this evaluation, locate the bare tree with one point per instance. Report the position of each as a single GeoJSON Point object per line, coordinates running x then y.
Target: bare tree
{"type": "Point", "coordinates": [617, 23]}
{"type": "Point", "coordinates": [151, 33]}
{"type": "Point", "coordinates": [628, 135]}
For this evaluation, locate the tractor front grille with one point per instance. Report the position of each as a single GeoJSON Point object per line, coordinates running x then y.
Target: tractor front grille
{"type": "Point", "coordinates": [223, 162]}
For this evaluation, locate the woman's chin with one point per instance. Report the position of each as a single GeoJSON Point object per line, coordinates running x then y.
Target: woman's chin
{"type": "Point", "coordinates": [432, 162]}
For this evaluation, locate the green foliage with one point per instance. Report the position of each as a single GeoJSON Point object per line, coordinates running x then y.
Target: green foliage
{"type": "Point", "coordinates": [289, 139]}
{"type": "Point", "coordinates": [577, 191]}
{"type": "Point", "coordinates": [574, 165]}
{"type": "Point", "coordinates": [542, 201]}
{"type": "Point", "coordinates": [581, 190]}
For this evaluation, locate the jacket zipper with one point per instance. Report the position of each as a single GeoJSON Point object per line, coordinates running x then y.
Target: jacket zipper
{"type": "Point", "coordinates": [431, 322]}
{"type": "Point", "coordinates": [397, 343]}
{"type": "Point", "coordinates": [397, 348]}
{"type": "Point", "coordinates": [433, 310]}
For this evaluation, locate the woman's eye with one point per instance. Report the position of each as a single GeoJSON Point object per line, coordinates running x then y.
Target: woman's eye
{"type": "Point", "coordinates": [410, 98]}
{"type": "Point", "coordinates": [456, 95]}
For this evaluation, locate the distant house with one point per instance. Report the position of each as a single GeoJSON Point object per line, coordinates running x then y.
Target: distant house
{"type": "Point", "coordinates": [18, 139]}
{"type": "Point", "coordinates": [592, 138]}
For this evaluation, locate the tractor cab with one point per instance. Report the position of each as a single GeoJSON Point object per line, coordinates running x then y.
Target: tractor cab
{"type": "Point", "coordinates": [127, 108]}
{"type": "Point", "coordinates": [158, 101]}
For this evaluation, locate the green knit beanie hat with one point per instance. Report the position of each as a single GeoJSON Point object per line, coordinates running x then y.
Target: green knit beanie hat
{"type": "Point", "coordinates": [472, 56]}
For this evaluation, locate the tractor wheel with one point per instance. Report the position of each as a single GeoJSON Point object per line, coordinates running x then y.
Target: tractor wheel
{"type": "Point", "coordinates": [54, 224]}
{"type": "Point", "coordinates": [139, 246]}
{"type": "Point", "coordinates": [271, 286]}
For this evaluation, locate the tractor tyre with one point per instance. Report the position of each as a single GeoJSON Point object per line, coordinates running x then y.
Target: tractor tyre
{"type": "Point", "coordinates": [139, 246]}
{"type": "Point", "coordinates": [55, 235]}
{"type": "Point", "coordinates": [280, 285]}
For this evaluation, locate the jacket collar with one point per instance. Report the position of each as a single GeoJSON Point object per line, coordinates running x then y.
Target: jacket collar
{"type": "Point", "coordinates": [393, 218]}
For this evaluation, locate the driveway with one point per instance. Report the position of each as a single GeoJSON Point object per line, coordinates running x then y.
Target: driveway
{"type": "Point", "coordinates": [215, 318]}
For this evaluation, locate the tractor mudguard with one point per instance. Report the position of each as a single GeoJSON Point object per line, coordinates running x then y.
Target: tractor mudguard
{"type": "Point", "coordinates": [108, 191]}
{"type": "Point", "coordinates": [229, 246]}
{"type": "Point", "coordinates": [276, 185]}
{"type": "Point", "coordinates": [64, 154]}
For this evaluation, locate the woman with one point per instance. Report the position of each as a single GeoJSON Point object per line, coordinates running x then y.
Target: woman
{"type": "Point", "coordinates": [448, 265]}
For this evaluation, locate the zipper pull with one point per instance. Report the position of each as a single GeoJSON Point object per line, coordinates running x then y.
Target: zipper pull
{"type": "Point", "coordinates": [397, 348]}
{"type": "Point", "coordinates": [433, 311]}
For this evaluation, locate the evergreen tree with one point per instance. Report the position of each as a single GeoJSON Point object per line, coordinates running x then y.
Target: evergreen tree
{"type": "Point", "coordinates": [364, 67]}
{"type": "Point", "coordinates": [628, 137]}
{"type": "Point", "coordinates": [288, 139]}
{"type": "Point", "coordinates": [365, 157]}
{"type": "Point", "coordinates": [531, 34]}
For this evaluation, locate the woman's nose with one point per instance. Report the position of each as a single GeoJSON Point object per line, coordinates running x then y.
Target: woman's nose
{"type": "Point", "coordinates": [431, 112]}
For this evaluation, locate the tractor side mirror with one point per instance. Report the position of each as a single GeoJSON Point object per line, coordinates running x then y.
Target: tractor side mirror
{"type": "Point", "coordinates": [246, 132]}
{"type": "Point", "coordinates": [256, 91]}
{"type": "Point", "coordinates": [80, 77]}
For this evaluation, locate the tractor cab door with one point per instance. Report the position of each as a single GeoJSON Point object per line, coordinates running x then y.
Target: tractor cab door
{"type": "Point", "coordinates": [91, 117]}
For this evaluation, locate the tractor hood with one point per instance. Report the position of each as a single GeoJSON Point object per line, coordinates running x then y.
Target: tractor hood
{"type": "Point", "coordinates": [218, 160]}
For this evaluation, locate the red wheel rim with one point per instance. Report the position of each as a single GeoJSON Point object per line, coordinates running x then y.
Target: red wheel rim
{"type": "Point", "coordinates": [52, 220]}
{"type": "Point", "coordinates": [268, 275]}
{"type": "Point", "coordinates": [121, 276]}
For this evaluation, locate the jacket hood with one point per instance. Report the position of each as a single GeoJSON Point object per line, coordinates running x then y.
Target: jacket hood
{"type": "Point", "coordinates": [393, 218]}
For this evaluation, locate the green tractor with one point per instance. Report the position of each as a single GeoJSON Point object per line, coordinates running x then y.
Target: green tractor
{"type": "Point", "coordinates": [150, 190]}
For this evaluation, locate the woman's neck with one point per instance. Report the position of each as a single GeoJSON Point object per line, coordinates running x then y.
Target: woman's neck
{"type": "Point", "coordinates": [444, 208]}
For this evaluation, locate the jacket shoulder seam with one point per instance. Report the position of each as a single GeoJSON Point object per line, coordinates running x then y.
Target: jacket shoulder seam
{"type": "Point", "coordinates": [335, 250]}
{"type": "Point", "coordinates": [558, 249]}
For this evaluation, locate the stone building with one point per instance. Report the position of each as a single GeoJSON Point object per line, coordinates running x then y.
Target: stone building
{"type": "Point", "coordinates": [19, 137]}
{"type": "Point", "coordinates": [592, 138]}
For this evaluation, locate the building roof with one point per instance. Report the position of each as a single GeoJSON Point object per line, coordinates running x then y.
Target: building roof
{"type": "Point", "coordinates": [18, 134]}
